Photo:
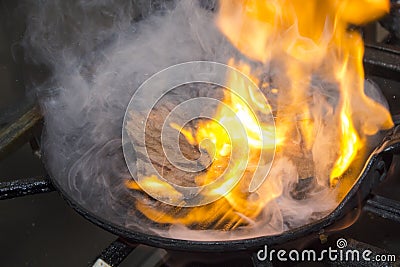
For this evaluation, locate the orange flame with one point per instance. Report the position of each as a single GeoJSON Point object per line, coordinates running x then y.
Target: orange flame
{"type": "Point", "coordinates": [312, 37]}
{"type": "Point", "coordinates": [306, 39]}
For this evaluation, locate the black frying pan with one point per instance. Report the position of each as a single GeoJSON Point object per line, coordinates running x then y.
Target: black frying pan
{"type": "Point", "coordinates": [373, 171]}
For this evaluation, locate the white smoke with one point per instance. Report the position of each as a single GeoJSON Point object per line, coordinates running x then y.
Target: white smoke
{"type": "Point", "coordinates": [97, 54]}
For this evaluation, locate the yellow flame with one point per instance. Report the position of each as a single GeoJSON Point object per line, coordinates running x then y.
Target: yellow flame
{"type": "Point", "coordinates": [311, 37]}
{"type": "Point", "coordinates": [304, 38]}
{"type": "Point", "coordinates": [258, 136]}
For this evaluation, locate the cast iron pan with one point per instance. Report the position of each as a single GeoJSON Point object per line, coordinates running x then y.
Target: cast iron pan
{"type": "Point", "coordinates": [372, 173]}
